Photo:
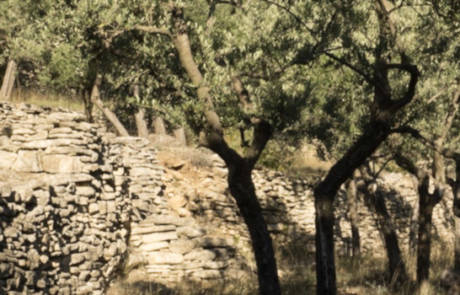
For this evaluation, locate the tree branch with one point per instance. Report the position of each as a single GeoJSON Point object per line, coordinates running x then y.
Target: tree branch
{"type": "Point", "coordinates": [350, 66]}
{"type": "Point", "coordinates": [410, 93]}
{"type": "Point", "coordinates": [263, 131]}
{"type": "Point", "coordinates": [406, 164]}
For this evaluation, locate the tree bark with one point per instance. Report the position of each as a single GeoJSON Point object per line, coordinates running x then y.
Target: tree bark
{"type": "Point", "coordinates": [139, 117]}
{"type": "Point", "coordinates": [396, 265]}
{"type": "Point", "coordinates": [383, 110]}
{"type": "Point", "coordinates": [242, 189]}
{"type": "Point", "coordinates": [325, 193]}
{"type": "Point", "coordinates": [455, 184]}
{"type": "Point", "coordinates": [8, 80]}
{"type": "Point", "coordinates": [141, 125]}
{"type": "Point", "coordinates": [159, 126]}
{"type": "Point", "coordinates": [427, 202]}
{"type": "Point", "coordinates": [424, 238]}
{"type": "Point", "coordinates": [352, 197]}
{"type": "Point", "coordinates": [96, 100]}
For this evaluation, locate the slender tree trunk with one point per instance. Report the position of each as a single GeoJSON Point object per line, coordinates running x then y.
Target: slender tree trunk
{"type": "Point", "coordinates": [179, 134]}
{"type": "Point", "coordinates": [457, 244]}
{"type": "Point", "coordinates": [8, 80]}
{"type": "Point", "coordinates": [141, 125]}
{"type": "Point", "coordinates": [456, 209]}
{"type": "Point", "coordinates": [396, 265]}
{"type": "Point", "coordinates": [242, 189]}
{"type": "Point", "coordinates": [88, 106]}
{"type": "Point", "coordinates": [427, 202]}
{"type": "Point", "coordinates": [424, 239]}
{"type": "Point", "coordinates": [352, 197]}
{"type": "Point", "coordinates": [139, 117]}
{"type": "Point", "coordinates": [325, 260]}
{"type": "Point", "coordinates": [96, 100]}
{"type": "Point", "coordinates": [159, 126]}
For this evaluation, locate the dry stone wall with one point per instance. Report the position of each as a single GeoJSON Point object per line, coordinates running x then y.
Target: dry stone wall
{"type": "Point", "coordinates": [68, 192]}
{"type": "Point", "coordinates": [78, 203]}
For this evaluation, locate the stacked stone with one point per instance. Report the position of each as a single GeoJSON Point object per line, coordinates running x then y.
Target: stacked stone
{"type": "Point", "coordinates": [135, 166]}
{"type": "Point", "coordinates": [64, 219]}
{"type": "Point", "coordinates": [173, 248]}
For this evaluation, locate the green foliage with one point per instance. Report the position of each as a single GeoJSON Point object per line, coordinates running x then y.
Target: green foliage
{"type": "Point", "coordinates": [276, 48]}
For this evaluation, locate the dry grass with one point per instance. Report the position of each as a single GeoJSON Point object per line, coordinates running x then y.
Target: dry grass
{"type": "Point", "coordinates": [47, 100]}
{"type": "Point", "coordinates": [366, 275]}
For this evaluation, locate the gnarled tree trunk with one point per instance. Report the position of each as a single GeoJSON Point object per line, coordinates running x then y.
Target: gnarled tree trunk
{"type": "Point", "coordinates": [383, 111]}
{"type": "Point", "coordinates": [240, 168]}
{"type": "Point", "coordinates": [325, 194]}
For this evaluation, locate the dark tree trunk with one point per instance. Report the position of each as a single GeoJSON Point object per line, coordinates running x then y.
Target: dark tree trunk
{"type": "Point", "coordinates": [353, 200]}
{"type": "Point", "coordinates": [457, 224]}
{"type": "Point", "coordinates": [325, 194]}
{"type": "Point", "coordinates": [396, 265]}
{"type": "Point", "coordinates": [8, 80]}
{"type": "Point", "coordinates": [242, 189]}
{"type": "Point", "coordinates": [457, 244]}
{"type": "Point", "coordinates": [325, 260]}
{"type": "Point", "coordinates": [456, 209]}
{"type": "Point", "coordinates": [427, 202]}
{"type": "Point", "coordinates": [424, 238]}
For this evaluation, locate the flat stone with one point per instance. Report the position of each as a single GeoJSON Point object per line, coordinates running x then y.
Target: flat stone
{"type": "Point", "coordinates": [157, 237]}
{"type": "Point", "coordinates": [167, 219]}
{"type": "Point", "coordinates": [165, 258]}
{"type": "Point", "coordinates": [140, 171]}
{"type": "Point", "coordinates": [154, 246]}
{"type": "Point", "coordinates": [147, 229]}
{"type": "Point", "coordinates": [93, 208]}
{"type": "Point", "coordinates": [182, 246]}
{"type": "Point", "coordinates": [76, 258]}
{"type": "Point", "coordinates": [27, 161]}
{"type": "Point", "coordinates": [206, 274]}
{"type": "Point", "coordinates": [190, 231]}
{"type": "Point", "coordinates": [61, 164]}
{"type": "Point", "coordinates": [38, 144]}
{"type": "Point", "coordinates": [86, 191]}
{"type": "Point", "coordinates": [7, 159]}
{"type": "Point", "coordinates": [215, 265]}
{"type": "Point", "coordinates": [200, 255]}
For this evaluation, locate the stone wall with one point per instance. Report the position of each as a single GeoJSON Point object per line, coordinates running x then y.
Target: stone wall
{"type": "Point", "coordinates": [78, 203]}
{"type": "Point", "coordinates": [68, 192]}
